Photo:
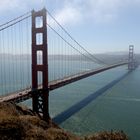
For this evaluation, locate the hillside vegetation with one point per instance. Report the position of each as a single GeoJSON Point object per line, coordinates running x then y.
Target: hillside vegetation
{"type": "Point", "coordinates": [20, 123]}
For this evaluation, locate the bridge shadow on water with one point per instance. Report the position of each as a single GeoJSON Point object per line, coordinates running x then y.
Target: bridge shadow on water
{"type": "Point", "coordinates": [60, 118]}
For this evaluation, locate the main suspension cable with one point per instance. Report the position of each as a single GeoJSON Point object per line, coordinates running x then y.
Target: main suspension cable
{"type": "Point", "coordinates": [15, 19]}
{"type": "Point", "coordinates": [9, 25]}
{"type": "Point", "coordinates": [75, 40]}
{"type": "Point", "coordinates": [69, 43]}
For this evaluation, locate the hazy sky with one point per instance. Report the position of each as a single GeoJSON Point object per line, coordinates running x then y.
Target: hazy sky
{"type": "Point", "coordinates": [99, 25]}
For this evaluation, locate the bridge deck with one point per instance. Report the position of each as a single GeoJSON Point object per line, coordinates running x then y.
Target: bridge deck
{"type": "Point", "coordinates": [25, 94]}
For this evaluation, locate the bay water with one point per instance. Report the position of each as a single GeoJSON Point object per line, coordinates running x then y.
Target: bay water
{"type": "Point", "coordinates": [117, 108]}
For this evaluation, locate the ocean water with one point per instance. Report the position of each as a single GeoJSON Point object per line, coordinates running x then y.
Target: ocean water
{"type": "Point", "coordinates": [117, 108]}
{"type": "Point", "coordinates": [15, 72]}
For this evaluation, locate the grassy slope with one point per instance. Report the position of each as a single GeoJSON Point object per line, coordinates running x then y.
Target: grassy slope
{"type": "Point", "coordinates": [20, 123]}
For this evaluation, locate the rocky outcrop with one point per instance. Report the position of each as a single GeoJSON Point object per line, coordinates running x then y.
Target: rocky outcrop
{"type": "Point", "coordinates": [20, 123]}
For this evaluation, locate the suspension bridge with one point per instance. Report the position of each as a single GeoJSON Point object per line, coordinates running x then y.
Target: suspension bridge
{"type": "Point", "coordinates": [38, 55]}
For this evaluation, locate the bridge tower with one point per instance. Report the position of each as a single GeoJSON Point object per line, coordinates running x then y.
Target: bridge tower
{"type": "Point", "coordinates": [131, 63]}
{"type": "Point", "coordinates": [39, 44]}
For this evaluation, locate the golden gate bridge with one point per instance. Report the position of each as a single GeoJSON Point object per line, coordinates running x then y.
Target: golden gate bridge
{"type": "Point", "coordinates": [38, 55]}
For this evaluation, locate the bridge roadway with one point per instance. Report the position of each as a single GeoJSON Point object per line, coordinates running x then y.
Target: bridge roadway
{"type": "Point", "coordinates": [25, 94]}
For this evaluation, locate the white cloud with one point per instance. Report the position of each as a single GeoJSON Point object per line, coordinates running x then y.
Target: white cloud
{"type": "Point", "coordinates": [19, 5]}
{"type": "Point", "coordinates": [7, 4]}
{"type": "Point", "coordinates": [96, 10]}
{"type": "Point", "coordinates": [99, 11]}
{"type": "Point", "coordinates": [103, 10]}
{"type": "Point", "coordinates": [73, 11]}
{"type": "Point", "coordinates": [68, 14]}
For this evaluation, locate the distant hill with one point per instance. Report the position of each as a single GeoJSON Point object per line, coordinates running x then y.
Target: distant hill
{"type": "Point", "coordinates": [109, 58]}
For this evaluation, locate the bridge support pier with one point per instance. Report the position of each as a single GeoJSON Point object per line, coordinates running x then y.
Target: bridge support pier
{"type": "Point", "coordinates": [40, 97]}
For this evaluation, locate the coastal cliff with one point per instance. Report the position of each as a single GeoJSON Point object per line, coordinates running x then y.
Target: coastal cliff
{"type": "Point", "coordinates": [20, 123]}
